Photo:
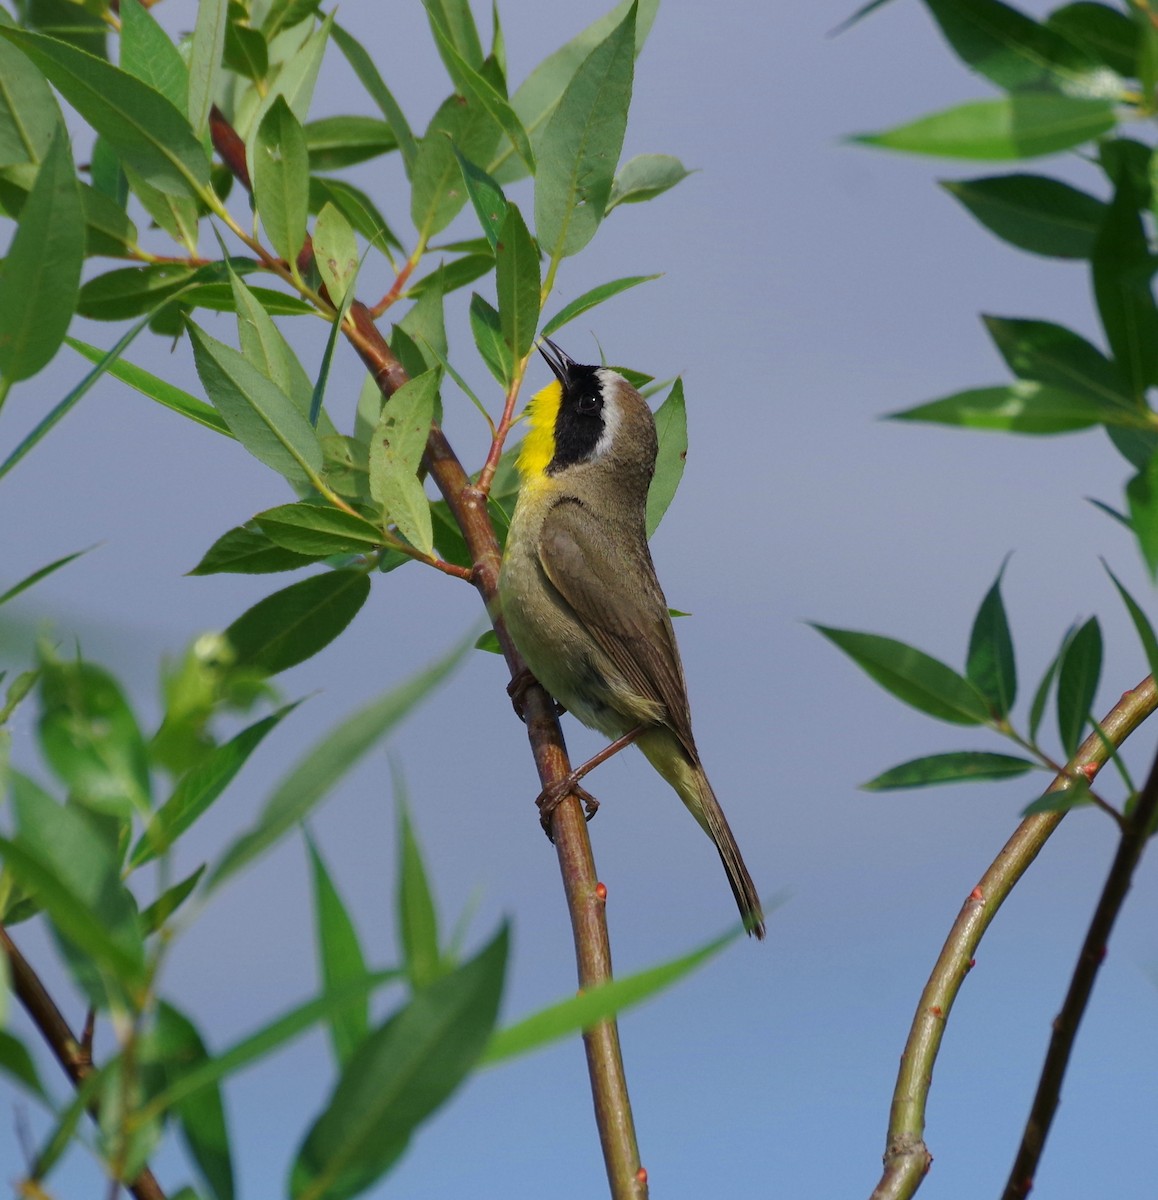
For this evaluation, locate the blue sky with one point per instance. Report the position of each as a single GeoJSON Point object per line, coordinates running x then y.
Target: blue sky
{"type": "Point", "coordinates": [809, 286]}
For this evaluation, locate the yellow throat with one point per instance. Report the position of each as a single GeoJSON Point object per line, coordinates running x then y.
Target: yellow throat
{"type": "Point", "coordinates": [539, 445]}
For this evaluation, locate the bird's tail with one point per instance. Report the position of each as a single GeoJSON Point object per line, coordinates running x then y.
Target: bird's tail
{"type": "Point", "coordinates": [690, 781]}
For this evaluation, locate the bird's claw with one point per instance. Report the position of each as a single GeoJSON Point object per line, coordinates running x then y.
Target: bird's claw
{"type": "Point", "coordinates": [517, 690]}
{"type": "Point", "coordinates": [551, 797]}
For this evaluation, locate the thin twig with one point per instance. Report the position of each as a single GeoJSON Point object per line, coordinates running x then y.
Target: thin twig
{"type": "Point", "coordinates": [69, 1051]}
{"type": "Point", "coordinates": [1136, 833]}
{"type": "Point", "coordinates": [584, 893]}
{"type": "Point", "coordinates": [907, 1158]}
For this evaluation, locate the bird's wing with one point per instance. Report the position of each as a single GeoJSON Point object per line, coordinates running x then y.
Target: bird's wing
{"type": "Point", "coordinates": [620, 602]}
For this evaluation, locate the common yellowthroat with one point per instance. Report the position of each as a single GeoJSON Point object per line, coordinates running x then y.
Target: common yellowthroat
{"type": "Point", "coordinates": [579, 592]}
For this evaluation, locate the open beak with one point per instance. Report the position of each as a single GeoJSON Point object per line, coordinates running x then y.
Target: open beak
{"type": "Point", "coordinates": [560, 362]}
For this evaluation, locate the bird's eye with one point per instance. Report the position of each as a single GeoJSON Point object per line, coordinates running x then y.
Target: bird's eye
{"type": "Point", "coordinates": [588, 405]}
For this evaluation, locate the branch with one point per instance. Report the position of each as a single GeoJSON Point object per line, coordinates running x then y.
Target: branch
{"type": "Point", "coordinates": [583, 891]}
{"type": "Point", "coordinates": [1136, 832]}
{"type": "Point", "coordinates": [72, 1055]}
{"type": "Point", "coordinates": [907, 1159]}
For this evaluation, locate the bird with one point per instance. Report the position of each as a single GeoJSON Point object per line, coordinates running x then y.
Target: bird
{"type": "Point", "coordinates": [579, 593]}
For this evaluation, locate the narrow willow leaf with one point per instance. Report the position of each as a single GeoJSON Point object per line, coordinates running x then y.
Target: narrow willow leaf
{"type": "Point", "coordinates": [90, 738]}
{"type": "Point", "coordinates": [958, 766]}
{"type": "Point", "coordinates": [487, 329]}
{"type": "Point", "coordinates": [108, 229]}
{"type": "Point", "coordinates": [489, 642]}
{"type": "Point", "coordinates": [178, 216]}
{"type": "Point", "coordinates": [371, 80]}
{"type": "Point", "coordinates": [454, 21]}
{"type": "Point", "coordinates": [1034, 213]}
{"type": "Point", "coordinates": [1041, 696]}
{"type": "Point", "coordinates": [1121, 273]}
{"type": "Point", "coordinates": [581, 145]}
{"type": "Point", "coordinates": [599, 1003]}
{"type": "Point", "coordinates": [336, 252]}
{"type": "Point", "coordinates": [18, 1064]}
{"type": "Point", "coordinates": [342, 962]}
{"type": "Point", "coordinates": [29, 114]}
{"type": "Point", "coordinates": [357, 208]}
{"type": "Point", "coordinates": [318, 529]}
{"type": "Point", "coordinates": [200, 787]}
{"type": "Point", "coordinates": [417, 917]}
{"type": "Point", "coordinates": [40, 276]}
{"type": "Point", "coordinates": [590, 299]}
{"type": "Point", "coordinates": [205, 60]}
{"type": "Point", "coordinates": [169, 902]}
{"type": "Point", "coordinates": [453, 275]}
{"type": "Point", "coordinates": [258, 412]}
{"type": "Point", "coordinates": [281, 179]}
{"type": "Point", "coordinates": [37, 575]}
{"type": "Point", "coordinates": [1142, 501]}
{"type": "Point", "coordinates": [131, 291]}
{"type": "Point", "coordinates": [1054, 355]}
{"type": "Point", "coordinates": [1105, 33]}
{"type": "Point", "coordinates": [1013, 51]}
{"type": "Point", "coordinates": [144, 128]}
{"type": "Point", "coordinates": [1024, 406]}
{"type": "Point", "coordinates": [297, 622]}
{"type": "Point", "coordinates": [486, 196]}
{"type": "Point", "coordinates": [247, 550]}
{"type": "Point", "coordinates": [403, 1072]}
{"type": "Point", "coordinates": [671, 427]}
{"type": "Point", "coordinates": [1025, 125]}
{"type": "Point", "coordinates": [1074, 795]}
{"type": "Point", "coordinates": [246, 51]}
{"type": "Point", "coordinates": [912, 676]}
{"type": "Point", "coordinates": [517, 283]}
{"type": "Point", "coordinates": [325, 763]}
{"type": "Point", "coordinates": [990, 665]}
{"type": "Point", "coordinates": [147, 53]}
{"type": "Point", "coordinates": [644, 177]}
{"type": "Point", "coordinates": [396, 449]}
{"type": "Point", "coordinates": [147, 384]}
{"type": "Point", "coordinates": [1141, 623]}
{"type": "Point", "coordinates": [1081, 667]}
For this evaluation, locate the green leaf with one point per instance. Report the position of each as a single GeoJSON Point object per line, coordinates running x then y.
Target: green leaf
{"type": "Point", "coordinates": [1013, 51]}
{"type": "Point", "coordinates": [581, 145]}
{"type": "Point", "coordinates": [200, 786]}
{"type": "Point", "coordinates": [90, 737]}
{"type": "Point", "coordinates": [404, 1071]}
{"type": "Point", "coordinates": [131, 291]}
{"type": "Point", "coordinates": [246, 51]}
{"type": "Point", "coordinates": [146, 130]}
{"type": "Point", "coordinates": [1141, 623]}
{"type": "Point", "coordinates": [337, 142]}
{"type": "Point", "coordinates": [281, 179]}
{"type": "Point", "coordinates": [156, 389]}
{"type": "Point", "coordinates": [285, 14]}
{"type": "Point", "coordinates": [453, 275]}
{"type": "Point", "coordinates": [342, 962]}
{"type": "Point", "coordinates": [396, 449]}
{"type": "Point", "coordinates": [148, 54]}
{"type": "Point", "coordinates": [247, 550]}
{"type": "Point", "coordinates": [417, 917]}
{"type": "Point", "coordinates": [336, 252]}
{"type": "Point", "coordinates": [1052, 354]}
{"type": "Point", "coordinates": [1026, 125]}
{"type": "Point", "coordinates": [66, 865]}
{"type": "Point", "coordinates": [258, 412]}
{"type": "Point", "coordinates": [1075, 794]}
{"type": "Point", "coordinates": [1122, 269]}
{"type": "Point", "coordinates": [517, 283]}
{"type": "Point", "coordinates": [671, 426]}
{"type": "Point", "coordinates": [486, 327]}
{"type": "Point", "coordinates": [1025, 406]}
{"type": "Point", "coordinates": [29, 115]}
{"type": "Point", "coordinates": [437, 190]}
{"type": "Point", "coordinates": [590, 299]}
{"type": "Point", "coordinates": [205, 60]}
{"type": "Point", "coordinates": [297, 622]}
{"type": "Point", "coordinates": [644, 177]}
{"type": "Point", "coordinates": [990, 665]}
{"type": "Point", "coordinates": [958, 766]}
{"type": "Point", "coordinates": [453, 22]}
{"type": "Point", "coordinates": [1103, 32]}
{"type": "Point", "coordinates": [478, 89]}
{"type": "Point", "coordinates": [37, 575]}
{"type": "Point", "coordinates": [40, 277]}
{"type": "Point", "coordinates": [356, 207]}
{"type": "Point", "coordinates": [425, 326]}
{"type": "Point", "coordinates": [107, 229]}
{"type": "Point", "coordinates": [316, 529]}
{"type": "Point", "coordinates": [912, 676]}
{"type": "Point", "coordinates": [371, 80]}
{"type": "Point", "coordinates": [178, 216]}
{"type": "Point", "coordinates": [158, 913]}
{"type": "Point", "coordinates": [486, 196]}
{"type": "Point", "coordinates": [1034, 213]}
{"type": "Point", "coordinates": [1081, 666]}
{"type": "Point", "coordinates": [489, 642]}
{"type": "Point", "coordinates": [325, 763]}
{"type": "Point", "coordinates": [17, 1064]}
{"type": "Point", "coordinates": [1142, 501]}
{"type": "Point", "coordinates": [599, 1003]}
{"type": "Point", "coordinates": [1041, 696]}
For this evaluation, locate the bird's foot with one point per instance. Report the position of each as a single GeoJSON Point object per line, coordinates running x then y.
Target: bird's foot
{"type": "Point", "coordinates": [551, 797]}
{"type": "Point", "coordinates": [517, 690]}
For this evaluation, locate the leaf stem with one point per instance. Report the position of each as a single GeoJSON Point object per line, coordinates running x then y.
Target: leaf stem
{"type": "Point", "coordinates": [401, 278]}
{"type": "Point", "coordinates": [907, 1159]}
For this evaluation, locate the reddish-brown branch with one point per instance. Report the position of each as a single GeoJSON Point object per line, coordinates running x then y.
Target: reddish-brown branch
{"type": "Point", "coordinates": [468, 506]}
{"type": "Point", "coordinates": [70, 1052]}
